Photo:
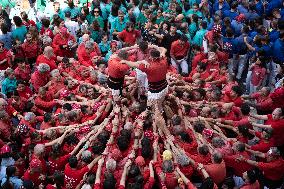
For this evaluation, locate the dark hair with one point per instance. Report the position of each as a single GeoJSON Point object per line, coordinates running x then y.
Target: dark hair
{"type": "Point", "coordinates": [203, 25]}
{"type": "Point", "coordinates": [4, 28]}
{"type": "Point", "coordinates": [126, 133]}
{"type": "Point", "coordinates": [10, 171]}
{"type": "Point", "coordinates": [217, 157]}
{"type": "Point", "coordinates": [176, 120]}
{"type": "Point", "coordinates": [98, 148]}
{"type": "Point", "coordinates": [134, 171]}
{"type": "Point", "coordinates": [67, 106]}
{"type": "Point", "coordinates": [122, 143]}
{"type": "Point", "coordinates": [18, 21]}
{"type": "Point", "coordinates": [122, 54]}
{"type": "Point", "coordinates": [45, 22]}
{"type": "Point", "coordinates": [58, 178]}
{"type": "Point", "coordinates": [207, 184]}
{"type": "Point", "coordinates": [183, 38]}
{"type": "Point", "coordinates": [47, 117]}
{"type": "Point", "coordinates": [103, 137]}
{"type": "Point", "coordinates": [198, 127]}
{"type": "Point", "coordinates": [68, 14]}
{"type": "Point", "coordinates": [203, 150]}
{"type": "Point", "coordinates": [238, 90]}
{"type": "Point", "coordinates": [252, 176]}
{"type": "Point", "coordinates": [143, 45]}
{"type": "Point", "coordinates": [146, 150]}
{"type": "Point", "coordinates": [168, 166]}
{"type": "Point", "coordinates": [109, 182]}
{"type": "Point", "coordinates": [185, 137]}
{"type": "Point", "coordinates": [73, 162]}
{"type": "Point", "coordinates": [202, 66]}
{"type": "Point", "coordinates": [229, 182]}
{"type": "Point", "coordinates": [155, 53]}
{"type": "Point", "coordinates": [245, 109]}
{"type": "Point", "coordinates": [243, 129]}
{"type": "Point", "coordinates": [241, 147]}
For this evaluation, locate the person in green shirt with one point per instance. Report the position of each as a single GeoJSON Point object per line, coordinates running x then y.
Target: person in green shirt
{"type": "Point", "coordinates": [194, 10]}
{"type": "Point", "coordinates": [75, 11]}
{"type": "Point", "coordinates": [105, 8]}
{"type": "Point", "coordinates": [118, 24]}
{"type": "Point", "coordinates": [198, 38]}
{"type": "Point", "coordinates": [160, 18]}
{"type": "Point", "coordinates": [20, 31]}
{"type": "Point", "coordinates": [10, 83]}
{"type": "Point", "coordinates": [192, 28]}
{"type": "Point", "coordinates": [104, 45]}
{"type": "Point", "coordinates": [96, 17]}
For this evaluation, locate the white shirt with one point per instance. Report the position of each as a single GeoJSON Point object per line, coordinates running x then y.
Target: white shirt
{"type": "Point", "coordinates": [72, 26]}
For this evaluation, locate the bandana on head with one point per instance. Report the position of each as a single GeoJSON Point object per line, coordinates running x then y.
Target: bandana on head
{"type": "Point", "coordinates": [23, 129]}
{"type": "Point", "coordinates": [207, 132]}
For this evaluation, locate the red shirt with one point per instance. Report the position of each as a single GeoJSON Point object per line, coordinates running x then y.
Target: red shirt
{"type": "Point", "coordinates": [217, 172]}
{"type": "Point", "coordinates": [238, 101]}
{"type": "Point", "coordinates": [157, 70]}
{"type": "Point", "coordinates": [30, 49]}
{"type": "Point", "coordinates": [47, 32]}
{"type": "Point", "coordinates": [179, 51]}
{"type": "Point", "coordinates": [116, 69]}
{"type": "Point", "coordinates": [5, 55]}
{"type": "Point", "coordinates": [51, 62]}
{"type": "Point", "coordinates": [57, 164]}
{"type": "Point", "coordinates": [278, 130]}
{"type": "Point", "coordinates": [73, 176]}
{"type": "Point", "coordinates": [251, 186]}
{"type": "Point", "coordinates": [258, 74]}
{"type": "Point", "coordinates": [59, 41]}
{"type": "Point", "coordinates": [45, 103]}
{"type": "Point", "coordinates": [239, 167]}
{"type": "Point", "coordinates": [197, 58]}
{"type": "Point", "coordinates": [272, 170]}
{"type": "Point", "coordinates": [32, 177]}
{"type": "Point", "coordinates": [278, 97]}
{"type": "Point", "coordinates": [129, 37]}
{"type": "Point", "coordinates": [86, 58]}
{"type": "Point", "coordinates": [39, 80]}
{"type": "Point", "coordinates": [263, 145]}
{"type": "Point", "coordinates": [23, 74]}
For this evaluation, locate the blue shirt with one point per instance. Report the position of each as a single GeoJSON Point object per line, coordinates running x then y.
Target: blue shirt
{"type": "Point", "coordinates": [272, 5]}
{"type": "Point", "coordinates": [7, 40]}
{"type": "Point", "coordinates": [237, 27]}
{"type": "Point", "coordinates": [242, 47]}
{"type": "Point", "coordinates": [259, 8]}
{"type": "Point", "coordinates": [278, 50]}
{"type": "Point", "coordinates": [274, 35]}
{"type": "Point", "coordinates": [105, 8]}
{"type": "Point", "coordinates": [230, 14]}
{"type": "Point", "coordinates": [242, 9]}
{"type": "Point", "coordinates": [104, 47]}
{"type": "Point", "coordinates": [17, 183]}
{"type": "Point", "coordinates": [224, 7]}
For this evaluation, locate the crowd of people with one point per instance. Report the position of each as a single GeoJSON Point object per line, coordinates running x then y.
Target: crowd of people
{"type": "Point", "coordinates": [142, 94]}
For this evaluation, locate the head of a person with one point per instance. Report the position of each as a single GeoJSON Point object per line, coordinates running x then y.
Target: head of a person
{"type": "Point", "coordinates": [264, 91]}
{"type": "Point", "coordinates": [239, 147]}
{"type": "Point", "coordinates": [250, 176]}
{"type": "Point", "coordinates": [155, 54]}
{"type": "Point", "coordinates": [10, 73]}
{"type": "Point", "coordinates": [86, 156]}
{"type": "Point", "coordinates": [217, 158]}
{"type": "Point", "coordinates": [167, 166]}
{"type": "Point", "coordinates": [278, 113]}
{"type": "Point", "coordinates": [39, 150]}
{"type": "Point", "coordinates": [48, 52]}
{"type": "Point", "coordinates": [203, 150]}
{"type": "Point", "coordinates": [267, 133]}
{"type": "Point", "coordinates": [217, 142]}
{"type": "Point", "coordinates": [110, 165]}
{"type": "Point", "coordinates": [183, 39]}
{"type": "Point", "coordinates": [122, 143]}
{"type": "Point", "coordinates": [18, 21]}
{"type": "Point", "coordinates": [73, 161]}
{"type": "Point", "coordinates": [30, 117]}
{"type": "Point", "coordinates": [120, 15]}
{"type": "Point", "coordinates": [228, 183]}
{"type": "Point", "coordinates": [143, 46]}
{"type": "Point", "coordinates": [109, 182]}
{"type": "Point", "coordinates": [123, 55]}
{"type": "Point", "coordinates": [207, 183]}
{"type": "Point", "coordinates": [89, 46]}
{"type": "Point", "coordinates": [273, 154]}
{"type": "Point", "coordinates": [173, 28]}
{"type": "Point", "coordinates": [43, 68]}
{"type": "Point", "coordinates": [236, 91]}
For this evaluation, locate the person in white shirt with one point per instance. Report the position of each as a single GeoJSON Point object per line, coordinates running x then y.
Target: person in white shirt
{"type": "Point", "coordinates": [72, 26]}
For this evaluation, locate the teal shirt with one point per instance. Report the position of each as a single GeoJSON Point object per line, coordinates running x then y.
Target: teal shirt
{"type": "Point", "coordinates": [186, 34]}
{"type": "Point", "coordinates": [9, 85]}
{"type": "Point", "coordinates": [104, 47]}
{"type": "Point", "coordinates": [108, 55]}
{"type": "Point", "coordinates": [191, 11]}
{"type": "Point", "coordinates": [192, 29]}
{"type": "Point", "coordinates": [105, 8]}
{"type": "Point", "coordinates": [118, 26]}
{"type": "Point", "coordinates": [6, 3]}
{"type": "Point", "coordinates": [141, 19]}
{"type": "Point", "coordinates": [74, 11]}
{"type": "Point", "coordinates": [99, 19]}
{"type": "Point", "coordinates": [20, 33]}
{"type": "Point", "coordinates": [198, 38]}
